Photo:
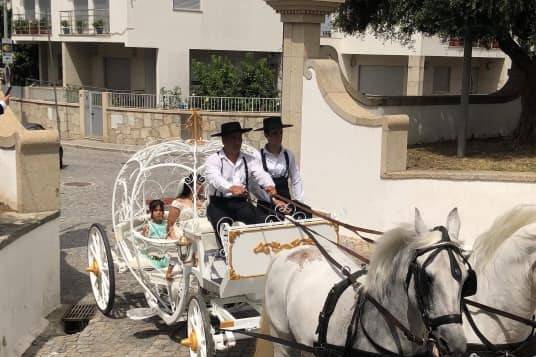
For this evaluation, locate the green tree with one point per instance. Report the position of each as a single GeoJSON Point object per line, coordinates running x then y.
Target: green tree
{"type": "Point", "coordinates": [218, 78]}
{"type": "Point", "coordinates": [511, 22]}
{"type": "Point", "coordinates": [256, 78]}
{"type": "Point", "coordinates": [221, 78]}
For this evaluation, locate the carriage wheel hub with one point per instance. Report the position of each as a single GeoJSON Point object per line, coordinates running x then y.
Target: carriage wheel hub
{"type": "Point", "coordinates": [191, 341]}
{"type": "Point", "coordinates": [93, 268]}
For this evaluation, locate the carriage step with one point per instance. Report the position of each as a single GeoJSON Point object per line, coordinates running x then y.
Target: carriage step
{"type": "Point", "coordinates": [141, 313]}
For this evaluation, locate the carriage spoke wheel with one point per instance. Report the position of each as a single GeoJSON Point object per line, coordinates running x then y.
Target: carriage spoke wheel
{"type": "Point", "coordinates": [101, 268]}
{"type": "Point", "coordinates": [199, 339]}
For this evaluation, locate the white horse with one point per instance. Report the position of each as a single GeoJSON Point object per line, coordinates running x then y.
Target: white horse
{"type": "Point", "coordinates": [504, 258]}
{"type": "Point", "coordinates": [299, 280]}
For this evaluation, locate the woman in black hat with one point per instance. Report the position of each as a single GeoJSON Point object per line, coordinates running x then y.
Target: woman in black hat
{"type": "Point", "coordinates": [229, 173]}
{"type": "Point", "coordinates": [280, 163]}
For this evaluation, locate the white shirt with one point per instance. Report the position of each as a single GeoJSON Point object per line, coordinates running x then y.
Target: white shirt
{"type": "Point", "coordinates": [277, 167]}
{"type": "Point", "coordinates": [222, 173]}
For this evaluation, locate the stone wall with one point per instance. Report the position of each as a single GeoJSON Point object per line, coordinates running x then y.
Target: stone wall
{"type": "Point", "coordinates": [42, 112]}
{"type": "Point", "coordinates": [139, 127]}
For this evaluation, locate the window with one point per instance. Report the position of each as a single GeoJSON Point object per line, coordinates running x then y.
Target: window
{"type": "Point", "coordinates": [186, 4]}
{"type": "Point", "coordinates": [441, 82]}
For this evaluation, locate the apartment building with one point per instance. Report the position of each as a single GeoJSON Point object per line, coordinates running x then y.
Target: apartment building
{"type": "Point", "coordinates": [145, 45]}
{"type": "Point", "coordinates": [142, 45]}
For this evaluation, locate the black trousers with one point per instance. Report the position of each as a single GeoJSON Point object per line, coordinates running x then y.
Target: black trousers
{"type": "Point", "coordinates": [236, 208]}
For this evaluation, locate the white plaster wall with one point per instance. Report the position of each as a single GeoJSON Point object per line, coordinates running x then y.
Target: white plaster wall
{"type": "Point", "coordinates": [8, 177]}
{"type": "Point", "coordinates": [433, 123]}
{"type": "Point", "coordinates": [30, 280]}
{"type": "Point", "coordinates": [340, 165]}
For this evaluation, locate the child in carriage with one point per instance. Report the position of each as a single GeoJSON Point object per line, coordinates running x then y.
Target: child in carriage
{"type": "Point", "coordinates": [156, 227]}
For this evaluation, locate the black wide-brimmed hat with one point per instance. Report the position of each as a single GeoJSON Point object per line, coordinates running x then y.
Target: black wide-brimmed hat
{"type": "Point", "coordinates": [273, 123]}
{"type": "Point", "coordinates": [231, 127]}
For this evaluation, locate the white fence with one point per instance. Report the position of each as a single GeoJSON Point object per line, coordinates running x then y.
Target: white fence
{"type": "Point", "coordinates": [216, 104]}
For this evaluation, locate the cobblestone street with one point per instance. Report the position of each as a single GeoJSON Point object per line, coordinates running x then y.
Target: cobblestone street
{"type": "Point", "coordinates": [86, 196]}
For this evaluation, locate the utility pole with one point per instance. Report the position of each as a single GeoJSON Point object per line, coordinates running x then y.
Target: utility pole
{"type": "Point", "coordinates": [7, 69]}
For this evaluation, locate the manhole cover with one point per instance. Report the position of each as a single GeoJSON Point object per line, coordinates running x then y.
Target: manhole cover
{"type": "Point", "coordinates": [77, 317]}
{"type": "Point", "coordinates": [77, 184]}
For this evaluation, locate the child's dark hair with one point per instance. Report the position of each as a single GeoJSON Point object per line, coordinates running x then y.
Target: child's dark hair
{"type": "Point", "coordinates": [154, 204]}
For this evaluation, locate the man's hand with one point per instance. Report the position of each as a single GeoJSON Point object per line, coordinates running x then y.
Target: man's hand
{"type": "Point", "coordinates": [237, 190]}
{"type": "Point", "coordinates": [270, 190]}
{"type": "Point", "coordinates": [7, 98]}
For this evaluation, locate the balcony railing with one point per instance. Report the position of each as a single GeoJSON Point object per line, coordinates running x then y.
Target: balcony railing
{"type": "Point", "coordinates": [459, 42]}
{"type": "Point", "coordinates": [85, 22]}
{"type": "Point", "coordinates": [31, 23]}
{"type": "Point", "coordinates": [216, 104]}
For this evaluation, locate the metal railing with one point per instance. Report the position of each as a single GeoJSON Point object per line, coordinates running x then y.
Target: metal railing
{"type": "Point", "coordinates": [31, 23]}
{"type": "Point", "coordinates": [85, 22]}
{"type": "Point", "coordinates": [216, 104]}
{"type": "Point", "coordinates": [234, 104]}
{"type": "Point", "coordinates": [131, 100]}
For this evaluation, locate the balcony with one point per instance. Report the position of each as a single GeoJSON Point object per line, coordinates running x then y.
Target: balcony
{"type": "Point", "coordinates": [31, 23]}
{"type": "Point", "coordinates": [85, 22]}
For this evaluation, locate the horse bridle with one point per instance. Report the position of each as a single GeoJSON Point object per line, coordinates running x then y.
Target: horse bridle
{"type": "Point", "coordinates": [422, 285]}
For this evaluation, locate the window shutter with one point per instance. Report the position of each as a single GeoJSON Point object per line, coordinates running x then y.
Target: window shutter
{"type": "Point", "coordinates": [186, 4]}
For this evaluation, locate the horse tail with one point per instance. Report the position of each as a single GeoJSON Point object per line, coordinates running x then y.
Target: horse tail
{"type": "Point", "coordinates": [264, 348]}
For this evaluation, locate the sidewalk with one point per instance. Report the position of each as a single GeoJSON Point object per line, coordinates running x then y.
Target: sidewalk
{"type": "Point", "coordinates": [99, 145]}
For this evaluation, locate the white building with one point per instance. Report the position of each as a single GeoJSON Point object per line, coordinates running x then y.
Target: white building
{"type": "Point", "coordinates": [145, 45]}
{"type": "Point", "coordinates": [142, 45]}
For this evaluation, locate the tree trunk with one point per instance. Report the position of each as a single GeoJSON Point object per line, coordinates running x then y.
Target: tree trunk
{"type": "Point", "coordinates": [525, 132]}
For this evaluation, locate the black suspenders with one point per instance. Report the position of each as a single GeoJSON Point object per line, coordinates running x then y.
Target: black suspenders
{"type": "Point", "coordinates": [287, 162]}
{"type": "Point", "coordinates": [245, 169]}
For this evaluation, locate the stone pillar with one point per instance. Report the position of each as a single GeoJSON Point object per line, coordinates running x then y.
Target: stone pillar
{"type": "Point", "coordinates": [301, 41]}
{"type": "Point", "coordinates": [415, 82]}
{"type": "Point", "coordinates": [82, 101]}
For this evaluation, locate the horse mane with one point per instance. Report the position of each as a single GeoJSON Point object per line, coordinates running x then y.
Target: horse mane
{"type": "Point", "coordinates": [487, 244]}
{"type": "Point", "coordinates": [392, 257]}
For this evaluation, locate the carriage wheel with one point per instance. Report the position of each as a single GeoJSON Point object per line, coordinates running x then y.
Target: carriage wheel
{"type": "Point", "coordinates": [199, 338]}
{"type": "Point", "coordinates": [101, 268]}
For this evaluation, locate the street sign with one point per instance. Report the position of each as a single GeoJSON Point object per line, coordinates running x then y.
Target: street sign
{"type": "Point", "coordinates": [7, 51]}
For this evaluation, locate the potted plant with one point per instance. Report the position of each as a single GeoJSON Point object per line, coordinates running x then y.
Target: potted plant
{"type": "Point", "coordinates": [80, 26]}
{"type": "Point", "coordinates": [21, 26]}
{"type": "Point", "coordinates": [65, 26]}
{"type": "Point", "coordinates": [98, 25]}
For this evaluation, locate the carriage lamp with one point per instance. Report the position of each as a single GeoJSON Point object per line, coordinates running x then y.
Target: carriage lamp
{"type": "Point", "coordinates": [184, 248]}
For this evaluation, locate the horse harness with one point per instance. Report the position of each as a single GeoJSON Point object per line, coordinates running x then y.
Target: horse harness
{"type": "Point", "coordinates": [422, 286]}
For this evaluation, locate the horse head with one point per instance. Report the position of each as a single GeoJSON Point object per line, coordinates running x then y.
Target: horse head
{"type": "Point", "coordinates": [425, 268]}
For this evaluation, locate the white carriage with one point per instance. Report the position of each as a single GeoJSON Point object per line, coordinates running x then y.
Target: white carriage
{"type": "Point", "coordinates": [210, 290]}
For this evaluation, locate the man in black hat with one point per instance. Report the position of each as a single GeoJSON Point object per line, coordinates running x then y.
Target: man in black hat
{"type": "Point", "coordinates": [280, 163]}
{"type": "Point", "coordinates": [229, 173]}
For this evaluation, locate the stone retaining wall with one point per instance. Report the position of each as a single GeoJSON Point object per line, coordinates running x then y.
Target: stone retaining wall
{"type": "Point", "coordinates": [139, 127]}
{"type": "Point", "coordinates": [42, 112]}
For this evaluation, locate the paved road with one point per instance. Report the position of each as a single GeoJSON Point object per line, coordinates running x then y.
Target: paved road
{"type": "Point", "coordinates": [83, 205]}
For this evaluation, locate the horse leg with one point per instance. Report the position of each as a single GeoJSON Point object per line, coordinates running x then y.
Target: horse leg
{"type": "Point", "coordinates": [264, 348]}
{"type": "Point", "coordinates": [281, 350]}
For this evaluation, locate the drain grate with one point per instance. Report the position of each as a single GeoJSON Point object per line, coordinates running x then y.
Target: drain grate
{"type": "Point", "coordinates": [77, 184]}
{"type": "Point", "coordinates": [77, 317]}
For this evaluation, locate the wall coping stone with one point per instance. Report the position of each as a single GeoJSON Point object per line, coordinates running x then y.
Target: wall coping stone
{"type": "Point", "coordinates": [14, 225]}
{"type": "Point", "coordinates": [458, 175]}
{"type": "Point", "coordinates": [45, 102]}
